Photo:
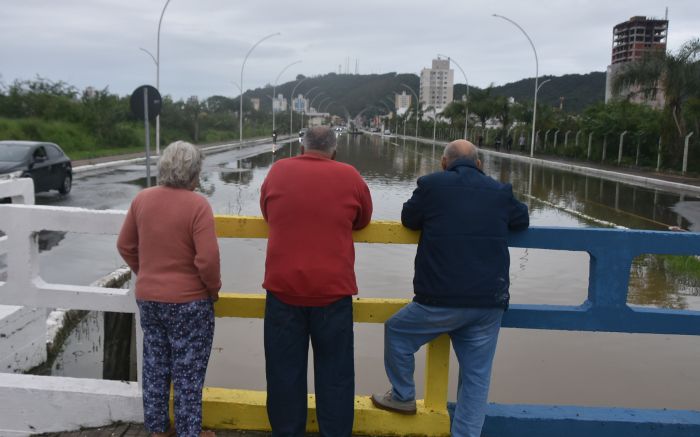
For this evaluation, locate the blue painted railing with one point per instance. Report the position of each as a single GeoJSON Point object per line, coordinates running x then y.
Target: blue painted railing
{"type": "Point", "coordinates": [605, 309]}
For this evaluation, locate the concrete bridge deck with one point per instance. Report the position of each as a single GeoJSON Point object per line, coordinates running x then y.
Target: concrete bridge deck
{"type": "Point", "coordinates": [137, 430]}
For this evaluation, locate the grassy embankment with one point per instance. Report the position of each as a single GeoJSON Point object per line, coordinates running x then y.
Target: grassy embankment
{"type": "Point", "coordinates": [80, 143]}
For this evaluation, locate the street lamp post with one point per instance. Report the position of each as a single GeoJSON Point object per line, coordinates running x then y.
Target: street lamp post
{"type": "Point", "coordinates": [274, 87]}
{"type": "Point", "coordinates": [321, 103]}
{"type": "Point", "coordinates": [328, 105]}
{"type": "Point", "coordinates": [416, 96]}
{"type": "Point", "coordinates": [291, 107]}
{"type": "Point", "coordinates": [303, 111]}
{"type": "Point", "coordinates": [157, 61]}
{"type": "Point", "coordinates": [466, 102]}
{"type": "Point", "coordinates": [240, 120]}
{"type": "Point", "coordinates": [537, 74]}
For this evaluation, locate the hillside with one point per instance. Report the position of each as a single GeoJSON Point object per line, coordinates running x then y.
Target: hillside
{"type": "Point", "coordinates": [356, 92]}
{"type": "Point", "coordinates": [578, 90]}
{"type": "Point", "coordinates": [346, 91]}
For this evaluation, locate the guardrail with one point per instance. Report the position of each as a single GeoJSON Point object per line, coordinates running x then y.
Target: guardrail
{"type": "Point", "coordinates": [611, 254]}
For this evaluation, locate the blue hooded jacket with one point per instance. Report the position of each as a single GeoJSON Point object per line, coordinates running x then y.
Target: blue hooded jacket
{"type": "Point", "coordinates": [465, 216]}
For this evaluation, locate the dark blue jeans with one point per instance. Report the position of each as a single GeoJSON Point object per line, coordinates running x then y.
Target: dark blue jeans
{"type": "Point", "coordinates": [288, 329]}
{"type": "Point", "coordinates": [177, 341]}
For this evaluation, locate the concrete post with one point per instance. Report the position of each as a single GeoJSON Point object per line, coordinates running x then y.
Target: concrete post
{"type": "Point", "coordinates": [590, 142]}
{"type": "Point", "coordinates": [658, 156]}
{"type": "Point", "coordinates": [566, 139]}
{"type": "Point", "coordinates": [546, 134]}
{"type": "Point", "coordinates": [537, 137]}
{"type": "Point", "coordinates": [605, 146]}
{"type": "Point", "coordinates": [577, 135]}
{"type": "Point", "coordinates": [556, 136]}
{"type": "Point", "coordinates": [619, 149]}
{"type": "Point", "coordinates": [685, 151]}
{"type": "Point", "coordinates": [636, 160]}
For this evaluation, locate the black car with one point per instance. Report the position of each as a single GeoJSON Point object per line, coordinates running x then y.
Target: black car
{"type": "Point", "coordinates": [45, 163]}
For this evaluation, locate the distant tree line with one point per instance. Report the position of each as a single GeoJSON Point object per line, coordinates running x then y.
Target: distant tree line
{"type": "Point", "coordinates": [96, 122]}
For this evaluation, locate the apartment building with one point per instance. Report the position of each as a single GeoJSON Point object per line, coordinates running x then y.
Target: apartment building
{"type": "Point", "coordinates": [436, 85]}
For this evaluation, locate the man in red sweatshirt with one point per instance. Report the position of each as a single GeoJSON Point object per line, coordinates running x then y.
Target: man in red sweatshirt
{"type": "Point", "coordinates": [312, 204]}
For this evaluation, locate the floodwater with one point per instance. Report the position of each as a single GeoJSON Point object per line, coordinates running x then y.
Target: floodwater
{"type": "Point", "coordinates": [531, 366]}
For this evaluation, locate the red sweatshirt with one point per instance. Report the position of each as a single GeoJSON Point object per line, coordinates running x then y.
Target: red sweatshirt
{"type": "Point", "coordinates": [168, 240]}
{"type": "Point", "coordinates": [312, 204]}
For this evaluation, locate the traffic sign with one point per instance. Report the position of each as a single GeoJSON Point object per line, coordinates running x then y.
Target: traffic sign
{"type": "Point", "coordinates": [153, 100]}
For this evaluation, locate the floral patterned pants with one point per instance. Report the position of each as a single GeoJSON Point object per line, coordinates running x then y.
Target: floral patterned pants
{"type": "Point", "coordinates": [177, 340]}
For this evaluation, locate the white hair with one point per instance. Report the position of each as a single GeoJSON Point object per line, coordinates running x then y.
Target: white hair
{"type": "Point", "coordinates": [179, 165]}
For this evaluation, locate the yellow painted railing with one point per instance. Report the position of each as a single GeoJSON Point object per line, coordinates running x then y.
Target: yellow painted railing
{"type": "Point", "coordinates": [245, 409]}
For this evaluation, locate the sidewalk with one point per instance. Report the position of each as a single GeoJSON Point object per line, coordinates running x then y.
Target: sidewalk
{"type": "Point", "coordinates": [634, 176]}
{"type": "Point", "coordinates": [104, 159]}
{"type": "Point", "coordinates": [137, 430]}
{"type": "Point", "coordinates": [636, 171]}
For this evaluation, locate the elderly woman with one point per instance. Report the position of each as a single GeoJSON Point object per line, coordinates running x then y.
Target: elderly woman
{"type": "Point", "coordinates": [168, 240]}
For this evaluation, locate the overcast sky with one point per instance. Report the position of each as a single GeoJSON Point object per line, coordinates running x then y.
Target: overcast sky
{"type": "Point", "coordinates": [203, 42]}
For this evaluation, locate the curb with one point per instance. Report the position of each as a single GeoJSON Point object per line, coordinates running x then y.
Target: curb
{"type": "Point", "coordinates": [205, 150]}
{"type": "Point", "coordinates": [640, 181]}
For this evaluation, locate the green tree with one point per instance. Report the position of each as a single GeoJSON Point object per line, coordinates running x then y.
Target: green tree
{"type": "Point", "coordinates": [676, 75]}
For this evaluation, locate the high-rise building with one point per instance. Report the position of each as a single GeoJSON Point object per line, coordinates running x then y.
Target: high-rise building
{"type": "Point", "coordinates": [436, 85]}
{"type": "Point", "coordinates": [402, 102]}
{"type": "Point", "coordinates": [256, 103]}
{"type": "Point", "coordinates": [633, 40]}
{"type": "Point", "coordinates": [279, 103]}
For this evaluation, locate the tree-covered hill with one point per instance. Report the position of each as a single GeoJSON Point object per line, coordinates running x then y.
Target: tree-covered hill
{"type": "Point", "coordinates": [344, 91]}
{"type": "Point", "coordinates": [578, 90]}
{"type": "Point", "coordinates": [356, 92]}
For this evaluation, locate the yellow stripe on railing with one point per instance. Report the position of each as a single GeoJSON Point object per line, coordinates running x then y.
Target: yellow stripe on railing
{"type": "Point", "coordinates": [380, 231]}
{"type": "Point", "coordinates": [248, 407]}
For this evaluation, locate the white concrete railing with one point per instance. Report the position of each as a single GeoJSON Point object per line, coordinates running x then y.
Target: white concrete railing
{"type": "Point", "coordinates": [19, 191]}
{"type": "Point", "coordinates": [46, 403]}
{"type": "Point", "coordinates": [22, 329]}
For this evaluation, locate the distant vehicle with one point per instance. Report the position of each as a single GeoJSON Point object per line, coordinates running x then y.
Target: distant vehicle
{"type": "Point", "coordinates": [302, 132]}
{"type": "Point", "coordinates": [45, 163]}
{"type": "Point", "coordinates": [387, 132]}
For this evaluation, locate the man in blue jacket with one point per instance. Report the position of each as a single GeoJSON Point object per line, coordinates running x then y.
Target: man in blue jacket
{"type": "Point", "coordinates": [461, 281]}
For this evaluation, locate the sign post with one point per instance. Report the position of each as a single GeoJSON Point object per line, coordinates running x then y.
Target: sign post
{"type": "Point", "coordinates": [146, 103]}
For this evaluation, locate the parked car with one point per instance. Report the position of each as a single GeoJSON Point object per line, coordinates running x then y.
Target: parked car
{"type": "Point", "coordinates": [45, 163]}
{"type": "Point", "coordinates": [387, 132]}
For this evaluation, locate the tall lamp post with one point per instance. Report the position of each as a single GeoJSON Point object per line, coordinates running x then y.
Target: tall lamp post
{"type": "Point", "coordinates": [416, 96]}
{"type": "Point", "coordinates": [274, 87]}
{"type": "Point", "coordinates": [291, 107]}
{"type": "Point", "coordinates": [157, 61]}
{"type": "Point", "coordinates": [537, 73]}
{"type": "Point", "coordinates": [240, 121]}
{"type": "Point", "coordinates": [321, 103]}
{"type": "Point", "coordinates": [466, 102]}
{"type": "Point", "coordinates": [537, 91]}
{"type": "Point", "coordinates": [303, 110]}
{"type": "Point", "coordinates": [328, 105]}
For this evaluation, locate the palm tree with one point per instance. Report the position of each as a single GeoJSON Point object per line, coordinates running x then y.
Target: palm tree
{"type": "Point", "coordinates": [676, 75]}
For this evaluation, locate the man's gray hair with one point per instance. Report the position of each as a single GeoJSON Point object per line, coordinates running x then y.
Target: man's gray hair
{"type": "Point", "coordinates": [320, 138]}
{"type": "Point", "coordinates": [452, 152]}
{"type": "Point", "coordinates": [179, 165]}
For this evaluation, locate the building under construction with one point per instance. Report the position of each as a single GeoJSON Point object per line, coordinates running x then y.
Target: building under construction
{"type": "Point", "coordinates": [633, 40]}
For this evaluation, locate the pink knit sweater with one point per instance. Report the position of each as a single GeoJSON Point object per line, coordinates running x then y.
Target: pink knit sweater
{"type": "Point", "coordinates": [168, 240]}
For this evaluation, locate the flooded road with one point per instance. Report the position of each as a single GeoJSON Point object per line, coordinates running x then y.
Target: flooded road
{"type": "Point", "coordinates": [531, 366]}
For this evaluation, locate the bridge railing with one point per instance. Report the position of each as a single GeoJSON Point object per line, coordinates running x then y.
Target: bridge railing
{"type": "Point", "coordinates": [605, 309]}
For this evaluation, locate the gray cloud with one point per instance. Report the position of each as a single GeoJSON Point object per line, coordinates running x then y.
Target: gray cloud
{"type": "Point", "coordinates": [96, 43]}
